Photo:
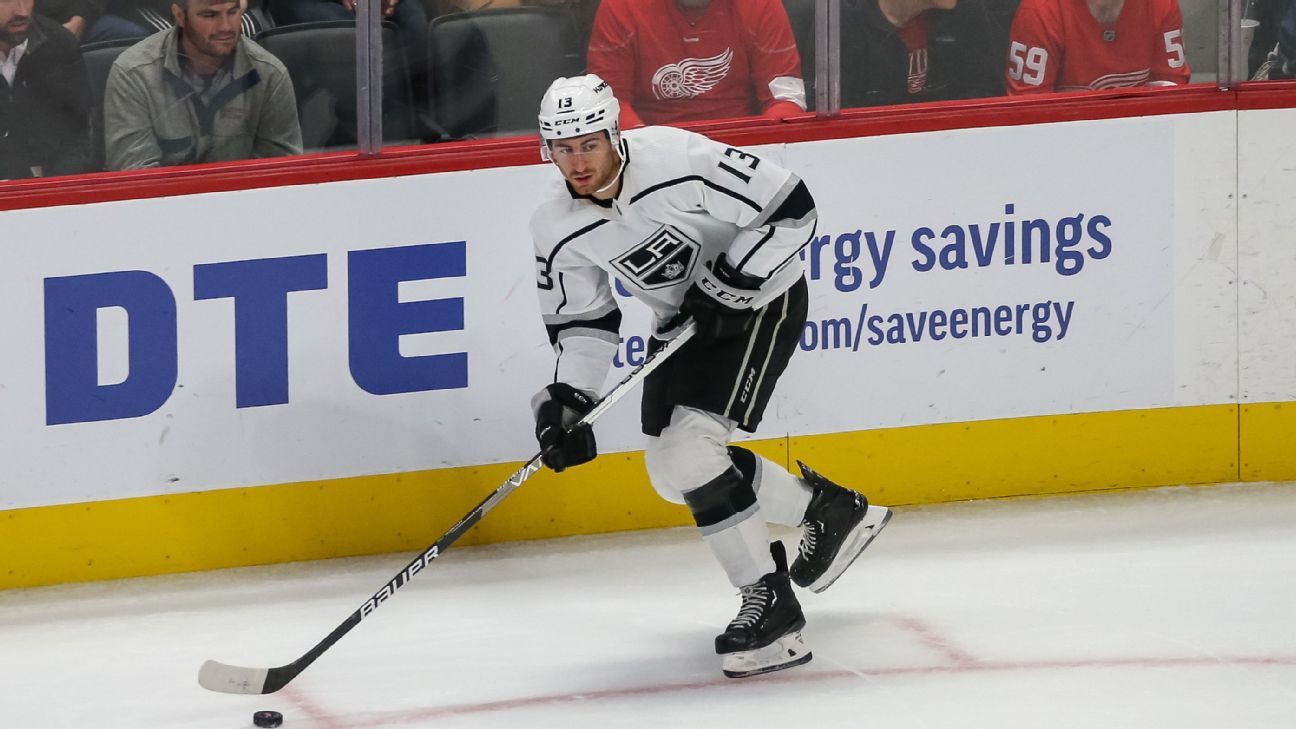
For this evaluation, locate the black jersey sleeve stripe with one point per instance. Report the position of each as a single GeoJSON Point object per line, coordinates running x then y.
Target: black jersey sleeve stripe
{"type": "Point", "coordinates": [695, 178]}
{"type": "Point", "coordinates": [813, 229]}
{"type": "Point", "coordinates": [755, 248]}
{"type": "Point", "coordinates": [609, 322]}
{"type": "Point", "coordinates": [562, 286]}
{"type": "Point", "coordinates": [798, 204]}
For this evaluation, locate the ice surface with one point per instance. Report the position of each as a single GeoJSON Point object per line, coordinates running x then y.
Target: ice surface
{"type": "Point", "coordinates": [1165, 608]}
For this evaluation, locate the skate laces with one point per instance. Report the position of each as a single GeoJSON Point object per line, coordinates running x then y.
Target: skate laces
{"type": "Point", "coordinates": [808, 538]}
{"type": "Point", "coordinates": [755, 598]}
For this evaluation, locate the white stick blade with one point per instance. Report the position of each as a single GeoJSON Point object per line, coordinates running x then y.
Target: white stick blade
{"type": "Point", "coordinates": [217, 676]}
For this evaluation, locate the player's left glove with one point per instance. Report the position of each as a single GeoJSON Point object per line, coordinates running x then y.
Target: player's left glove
{"type": "Point", "coordinates": [720, 301]}
{"type": "Point", "coordinates": [557, 408]}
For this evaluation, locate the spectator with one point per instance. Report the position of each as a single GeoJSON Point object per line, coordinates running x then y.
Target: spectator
{"type": "Point", "coordinates": [672, 61]}
{"type": "Point", "coordinates": [438, 8]}
{"type": "Point", "coordinates": [904, 51]}
{"type": "Point", "coordinates": [44, 96]}
{"type": "Point", "coordinates": [133, 19]}
{"type": "Point", "coordinates": [200, 92]}
{"type": "Point", "coordinates": [75, 15]}
{"type": "Point", "coordinates": [130, 19]}
{"type": "Point", "coordinates": [1066, 45]}
{"type": "Point", "coordinates": [1281, 61]}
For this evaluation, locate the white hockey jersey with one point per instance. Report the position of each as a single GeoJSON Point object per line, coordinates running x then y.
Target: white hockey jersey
{"type": "Point", "coordinates": [684, 200]}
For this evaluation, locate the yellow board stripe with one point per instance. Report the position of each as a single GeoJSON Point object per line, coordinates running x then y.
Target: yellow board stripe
{"type": "Point", "coordinates": [1268, 442]}
{"type": "Point", "coordinates": [374, 514]}
{"type": "Point", "coordinates": [1029, 456]}
{"type": "Point", "coordinates": [313, 520]}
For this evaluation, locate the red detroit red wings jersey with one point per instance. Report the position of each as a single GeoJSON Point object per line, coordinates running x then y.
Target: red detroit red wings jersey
{"type": "Point", "coordinates": [1057, 45]}
{"type": "Point", "coordinates": [914, 36]}
{"type": "Point", "coordinates": [673, 65]}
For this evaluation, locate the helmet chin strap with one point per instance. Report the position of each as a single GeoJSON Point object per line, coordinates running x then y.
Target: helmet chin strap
{"type": "Point", "coordinates": [617, 176]}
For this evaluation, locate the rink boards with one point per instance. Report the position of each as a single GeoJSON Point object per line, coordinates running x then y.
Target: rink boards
{"type": "Point", "coordinates": [321, 370]}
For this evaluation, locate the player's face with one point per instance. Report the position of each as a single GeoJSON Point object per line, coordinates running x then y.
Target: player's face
{"type": "Point", "coordinates": [15, 20]}
{"type": "Point", "coordinates": [589, 163]}
{"type": "Point", "coordinates": [211, 27]}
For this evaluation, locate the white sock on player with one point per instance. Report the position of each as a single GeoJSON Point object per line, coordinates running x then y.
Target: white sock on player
{"type": "Point", "coordinates": [742, 549]}
{"type": "Point", "coordinates": [783, 497]}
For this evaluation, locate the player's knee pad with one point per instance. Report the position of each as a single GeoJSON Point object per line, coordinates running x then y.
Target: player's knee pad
{"type": "Point", "coordinates": [723, 502]}
{"type": "Point", "coordinates": [689, 452]}
{"type": "Point", "coordinates": [747, 464]}
{"type": "Point", "coordinates": [678, 461]}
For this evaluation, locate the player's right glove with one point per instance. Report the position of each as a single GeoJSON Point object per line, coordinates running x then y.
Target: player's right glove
{"type": "Point", "coordinates": [558, 407]}
{"type": "Point", "coordinates": [720, 301]}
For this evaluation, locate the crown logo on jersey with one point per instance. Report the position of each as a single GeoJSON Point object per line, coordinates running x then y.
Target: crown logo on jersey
{"type": "Point", "coordinates": [1109, 35]}
{"type": "Point", "coordinates": [691, 76]}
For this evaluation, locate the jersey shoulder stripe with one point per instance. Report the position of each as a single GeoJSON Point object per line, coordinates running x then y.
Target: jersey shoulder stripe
{"type": "Point", "coordinates": [695, 178]}
{"type": "Point", "coordinates": [559, 221]}
{"type": "Point", "coordinates": [558, 247]}
{"type": "Point", "coordinates": [676, 156]}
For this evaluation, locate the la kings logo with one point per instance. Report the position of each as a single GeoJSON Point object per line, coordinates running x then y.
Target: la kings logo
{"type": "Point", "coordinates": [665, 258]}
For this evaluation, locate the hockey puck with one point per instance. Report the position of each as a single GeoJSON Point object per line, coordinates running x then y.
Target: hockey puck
{"type": "Point", "coordinates": [267, 719]}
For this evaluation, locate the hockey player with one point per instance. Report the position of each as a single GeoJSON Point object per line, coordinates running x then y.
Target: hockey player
{"type": "Point", "coordinates": [694, 229]}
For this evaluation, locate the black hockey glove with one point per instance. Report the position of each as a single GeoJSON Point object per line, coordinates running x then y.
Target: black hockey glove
{"type": "Point", "coordinates": [559, 407]}
{"type": "Point", "coordinates": [721, 301]}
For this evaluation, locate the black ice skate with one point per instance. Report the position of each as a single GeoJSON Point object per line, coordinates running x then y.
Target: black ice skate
{"type": "Point", "coordinates": [766, 634]}
{"type": "Point", "coordinates": [838, 525]}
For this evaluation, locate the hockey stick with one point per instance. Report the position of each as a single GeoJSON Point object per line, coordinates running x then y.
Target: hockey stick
{"type": "Point", "coordinates": [216, 676]}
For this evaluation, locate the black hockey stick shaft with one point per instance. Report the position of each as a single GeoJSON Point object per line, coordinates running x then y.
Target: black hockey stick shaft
{"type": "Point", "coordinates": [224, 678]}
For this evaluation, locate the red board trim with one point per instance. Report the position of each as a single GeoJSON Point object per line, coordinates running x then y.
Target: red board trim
{"type": "Point", "coordinates": [483, 154]}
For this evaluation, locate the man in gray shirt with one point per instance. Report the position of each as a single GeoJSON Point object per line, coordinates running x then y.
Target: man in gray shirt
{"type": "Point", "coordinates": [200, 92]}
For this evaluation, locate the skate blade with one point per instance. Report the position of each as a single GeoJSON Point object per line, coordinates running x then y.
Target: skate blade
{"type": "Point", "coordinates": [864, 532]}
{"type": "Point", "coordinates": [786, 652]}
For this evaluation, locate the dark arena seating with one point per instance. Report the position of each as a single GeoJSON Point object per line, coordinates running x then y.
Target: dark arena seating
{"type": "Point", "coordinates": [99, 59]}
{"type": "Point", "coordinates": [489, 68]}
{"type": "Point", "coordinates": [320, 58]}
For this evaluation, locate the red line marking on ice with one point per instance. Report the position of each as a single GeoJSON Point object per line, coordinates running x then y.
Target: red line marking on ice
{"type": "Point", "coordinates": [931, 638]}
{"type": "Point", "coordinates": [410, 716]}
{"type": "Point", "coordinates": [314, 710]}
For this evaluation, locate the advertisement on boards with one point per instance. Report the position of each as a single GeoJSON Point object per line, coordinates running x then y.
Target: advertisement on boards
{"type": "Point", "coordinates": [382, 326]}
